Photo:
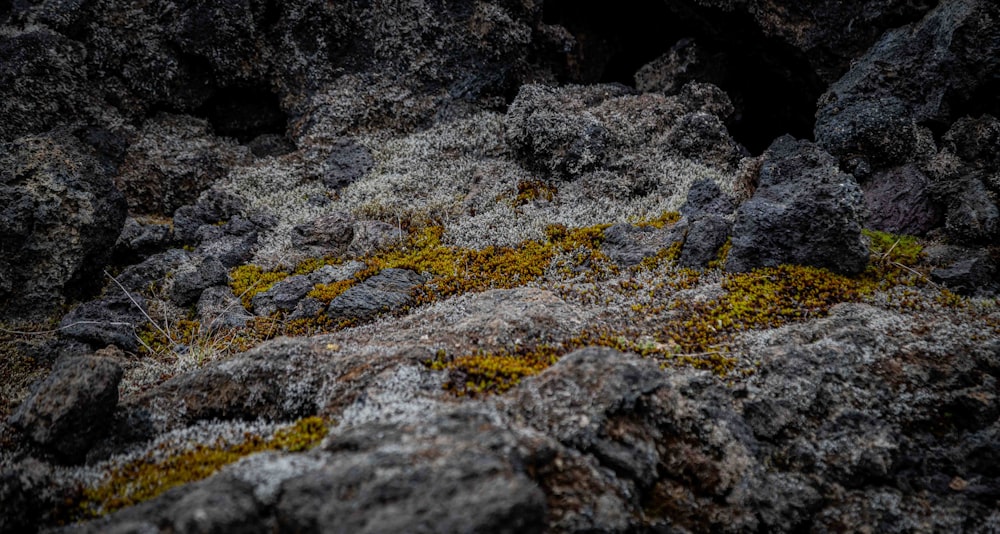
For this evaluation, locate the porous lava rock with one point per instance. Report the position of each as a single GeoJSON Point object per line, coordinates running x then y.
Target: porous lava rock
{"type": "Point", "coordinates": [805, 211]}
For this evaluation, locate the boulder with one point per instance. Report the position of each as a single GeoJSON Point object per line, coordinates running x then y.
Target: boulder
{"type": "Point", "coordinates": [805, 211]}
{"type": "Point", "coordinates": [70, 409]}
{"type": "Point", "coordinates": [901, 200]}
{"type": "Point", "coordinates": [112, 320]}
{"type": "Point", "coordinates": [60, 215]}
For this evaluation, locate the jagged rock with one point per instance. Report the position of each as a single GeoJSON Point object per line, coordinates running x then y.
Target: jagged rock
{"type": "Point", "coordinates": [174, 159]}
{"type": "Point", "coordinates": [113, 320]}
{"type": "Point", "coordinates": [428, 477]}
{"type": "Point", "coordinates": [388, 290]}
{"type": "Point", "coordinates": [805, 212]}
{"type": "Point", "coordinates": [975, 141]}
{"type": "Point", "coordinates": [705, 236]}
{"type": "Point", "coordinates": [138, 278]}
{"type": "Point", "coordinates": [901, 201]}
{"type": "Point", "coordinates": [881, 131]}
{"type": "Point", "coordinates": [971, 273]}
{"type": "Point", "coordinates": [213, 206]}
{"type": "Point", "coordinates": [670, 71]}
{"type": "Point", "coordinates": [372, 236]}
{"type": "Point", "coordinates": [972, 216]}
{"type": "Point", "coordinates": [69, 410]}
{"type": "Point", "coordinates": [187, 281]}
{"type": "Point", "coordinates": [140, 239]}
{"type": "Point", "coordinates": [60, 215]}
{"type": "Point", "coordinates": [217, 508]}
{"type": "Point", "coordinates": [327, 235]}
{"type": "Point", "coordinates": [706, 198]}
{"type": "Point", "coordinates": [348, 161]}
{"type": "Point", "coordinates": [43, 82]}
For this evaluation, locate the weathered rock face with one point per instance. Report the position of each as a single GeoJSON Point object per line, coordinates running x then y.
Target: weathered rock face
{"type": "Point", "coordinates": [61, 214]}
{"type": "Point", "coordinates": [805, 211]}
{"type": "Point", "coordinates": [71, 408]}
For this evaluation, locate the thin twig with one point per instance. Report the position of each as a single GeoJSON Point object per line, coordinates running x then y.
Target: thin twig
{"type": "Point", "coordinates": [142, 311]}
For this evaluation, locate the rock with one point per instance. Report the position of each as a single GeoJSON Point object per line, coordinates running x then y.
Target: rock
{"type": "Point", "coordinates": [347, 163]}
{"type": "Point", "coordinates": [972, 273]}
{"type": "Point", "coordinates": [187, 281]}
{"type": "Point", "coordinates": [670, 71]}
{"type": "Point", "coordinates": [60, 215]}
{"type": "Point", "coordinates": [222, 506]}
{"type": "Point", "coordinates": [901, 201]}
{"type": "Point", "coordinates": [141, 239]}
{"type": "Point", "coordinates": [43, 82]}
{"type": "Point", "coordinates": [881, 131]}
{"type": "Point", "coordinates": [388, 290]}
{"type": "Point", "coordinates": [23, 492]}
{"type": "Point", "coordinates": [68, 411]}
{"type": "Point", "coordinates": [113, 320]}
{"type": "Point", "coordinates": [704, 238]}
{"type": "Point", "coordinates": [174, 159]}
{"type": "Point", "coordinates": [975, 141]}
{"type": "Point", "coordinates": [286, 295]}
{"type": "Point", "coordinates": [152, 271]}
{"type": "Point", "coordinates": [385, 478]}
{"type": "Point", "coordinates": [327, 235]}
{"type": "Point", "coordinates": [270, 145]}
{"type": "Point", "coordinates": [972, 216]}
{"type": "Point", "coordinates": [706, 198]}
{"type": "Point", "coordinates": [628, 245]}
{"type": "Point", "coordinates": [213, 206]}
{"type": "Point", "coordinates": [804, 212]}
{"type": "Point", "coordinates": [372, 236]}
{"type": "Point", "coordinates": [219, 309]}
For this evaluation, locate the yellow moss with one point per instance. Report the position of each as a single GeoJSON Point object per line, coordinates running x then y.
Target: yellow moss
{"type": "Point", "coordinates": [531, 190]}
{"type": "Point", "coordinates": [247, 281]}
{"type": "Point", "coordinates": [162, 469]}
{"type": "Point", "coordinates": [328, 292]}
{"type": "Point", "coordinates": [720, 259]}
{"type": "Point", "coordinates": [485, 372]}
{"type": "Point", "coordinates": [667, 218]}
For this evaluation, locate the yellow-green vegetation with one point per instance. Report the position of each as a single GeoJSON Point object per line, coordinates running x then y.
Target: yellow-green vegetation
{"type": "Point", "coordinates": [159, 470]}
{"type": "Point", "coordinates": [249, 280]}
{"type": "Point", "coordinates": [665, 219]}
{"type": "Point", "coordinates": [486, 372]}
{"type": "Point", "coordinates": [531, 190]}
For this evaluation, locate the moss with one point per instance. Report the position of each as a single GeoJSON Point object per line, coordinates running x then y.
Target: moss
{"type": "Point", "coordinates": [247, 281]}
{"type": "Point", "coordinates": [161, 469]}
{"type": "Point", "coordinates": [493, 372]}
{"type": "Point", "coordinates": [902, 249]}
{"type": "Point", "coordinates": [531, 190]}
{"type": "Point", "coordinates": [667, 218]}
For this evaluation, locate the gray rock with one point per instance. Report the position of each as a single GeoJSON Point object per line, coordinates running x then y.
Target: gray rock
{"type": "Point", "coordinates": [628, 245]}
{"type": "Point", "coordinates": [70, 409]}
{"type": "Point", "coordinates": [804, 212]}
{"type": "Point", "coordinates": [880, 131]}
{"type": "Point", "coordinates": [372, 236]}
{"type": "Point", "coordinates": [113, 320]}
{"type": "Point", "coordinates": [23, 491]}
{"type": "Point", "coordinates": [219, 309]}
{"type": "Point", "coordinates": [705, 236]}
{"type": "Point", "coordinates": [140, 239]}
{"type": "Point", "coordinates": [59, 218]}
{"type": "Point", "coordinates": [453, 473]}
{"type": "Point", "coordinates": [976, 141]}
{"type": "Point", "coordinates": [174, 159]}
{"type": "Point", "coordinates": [670, 71]}
{"type": "Point", "coordinates": [347, 163]}
{"type": "Point", "coordinates": [213, 206]}
{"type": "Point", "coordinates": [386, 291]}
{"type": "Point", "coordinates": [972, 273]}
{"type": "Point", "coordinates": [186, 283]}
{"type": "Point", "coordinates": [223, 506]}
{"type": "Point", "coordinates": [327, 235]}
{"type": "Point", "coordinates": [706, 198]}
{"type": "Point", "coordinates": [972, 217]}
{"type": "Point", "coordinates": [901, 201]}
{"type": "Point", "coordinates": [287, 294]}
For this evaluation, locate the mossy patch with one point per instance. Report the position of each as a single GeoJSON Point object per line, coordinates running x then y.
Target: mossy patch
{"type": "Point", "coordinates": [248, 280]}
{"type": "Point", "coordinates": [161, 469]}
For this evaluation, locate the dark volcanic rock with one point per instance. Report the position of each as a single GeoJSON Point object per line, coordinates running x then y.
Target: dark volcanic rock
{"type": "Point", "coordinates": [628, 245]}
{"type": "Point", "coordinates": [805, 211]}
{"type": "Point", "coordinates": [706, 198]}
{"type": "Point", "coordinates": [970, 273]}
{"type": "Point", "coordinates": [60, 215]}
{"type": "Point", "coordinates": [330, 234]}
{"type": "Point", "coordinates": [71, 408]}
{"type": "Point", "coordinates": [286, 295]}
{"type": "Point", "coordinates": [173, 160]}
{"type": "Point", "coordinates": [348, 162]}
{"type": "Point", "coordinates": [901, 201]}
{"type": "Point", "coordinates": [454, 473]}
{"type": "Point", "coordinates": [705, 237]}
{"type": "Point", "coordinates": [388, 290]}
{"type": "Point", "coordinates": [188, 280]}
{"type": "Point", "coordinates": [112, 320]}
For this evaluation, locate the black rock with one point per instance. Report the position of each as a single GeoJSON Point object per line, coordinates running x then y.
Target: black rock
{"type": "Point", "coordinates": [330, 234]}
{"type": "Point", "coordinates": [901, 201]}
{"type": "Point", "coordinates": [705, 236]}
{"type": "Point", "coordinates": [348, 162]}
{"type": "Point", "coordinates": [628, 245]}
{"type": "Point", "coordinates": [70, 408]}
{"type": "Point", "coordinates": [706, 198]}
{"type": "Point", "coordinates": [388, 290]}
{"type": "Point", "coordinates": [971, 273]}
{"type": "Point", "coordinates": [805, 211]}
{"type": "Point", "coordinates": [218, 308]}
{"type": "Point", "coordinates": [112, 320]}
{"type": "Point", "coordinates": [188, 280]}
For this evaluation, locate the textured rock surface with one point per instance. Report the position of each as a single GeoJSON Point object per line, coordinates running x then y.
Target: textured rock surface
{"type": "Point", "coordinates": [60, 217]}
{"type": "Point", "coordinates": [805, 211]}
{"type": "Point", "coordinates": [69, 410]}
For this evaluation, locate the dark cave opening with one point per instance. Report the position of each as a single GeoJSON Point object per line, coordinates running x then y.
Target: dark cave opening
{"type": "Point", "coordinates": [771, 84]}
{"type": "Point", "coordinates": [244, 112]}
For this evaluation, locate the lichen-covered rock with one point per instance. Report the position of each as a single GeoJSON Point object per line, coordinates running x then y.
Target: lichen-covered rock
{"type": "Point", "coordinates": [186, 283]}
{"type": "Point", "coordinates": [286, 295]}
{"type": "Point", "coordinates": [60, 215]}
{"type": "Point", "coordinates": [70, 409]}
{"type": "Point", "coordinates": [452, 473]}
{"type": "Point", "coordinates": [327, 235]}
{"type": "Point", "coordinates": [805, 211]}
{"type": "Point", "coordinates": [628, 245]}
{"type": "Point", "coordinates": [969, 273]}
{"type": "Point", "coordinates": [173, 160]}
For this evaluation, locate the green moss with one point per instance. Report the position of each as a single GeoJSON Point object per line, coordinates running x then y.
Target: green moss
{"type": "Point", "coordinates": [162, 469]}
{"type": "Point", "coordinates": [531, 190]}
{"type": "Point", "coordinates": [902, 249]}
{"type": "Point", "coordinates": [487, 372]}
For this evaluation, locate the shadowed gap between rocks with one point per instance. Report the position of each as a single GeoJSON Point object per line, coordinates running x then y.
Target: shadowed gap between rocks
{"type": "Point", "coordinates": [771, 85]}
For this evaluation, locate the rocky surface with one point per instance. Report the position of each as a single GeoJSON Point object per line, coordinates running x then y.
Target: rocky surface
{"type": "Point", "coordinates": [499, 266]}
